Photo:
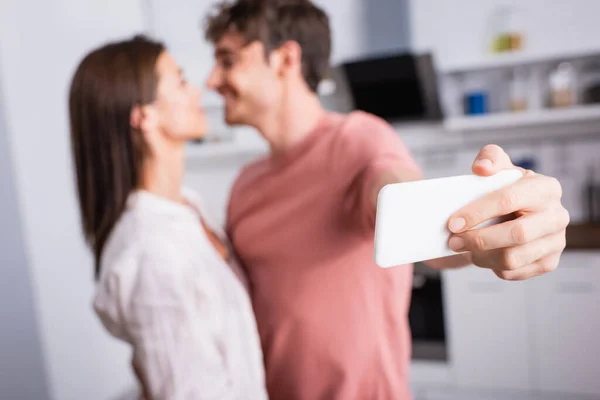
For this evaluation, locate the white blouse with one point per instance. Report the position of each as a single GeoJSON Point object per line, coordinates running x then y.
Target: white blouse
{"type": "Point", "coordinates": [165, 289]}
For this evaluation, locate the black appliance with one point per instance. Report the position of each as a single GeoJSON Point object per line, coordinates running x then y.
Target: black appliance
{"type": "Point", "coordinates": [426, 315]}
{"type": "Point", "coordinates": [397, 88]}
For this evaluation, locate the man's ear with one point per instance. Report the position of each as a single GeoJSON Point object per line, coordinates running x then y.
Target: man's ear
{"type": "Point", "coordinates": [288, 57]}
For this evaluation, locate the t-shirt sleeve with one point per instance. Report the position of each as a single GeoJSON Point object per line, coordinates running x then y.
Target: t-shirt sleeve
{"type": "Point", "coordinates": [368, 147]}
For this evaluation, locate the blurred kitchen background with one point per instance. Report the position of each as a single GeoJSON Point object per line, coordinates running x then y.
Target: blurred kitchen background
{"type": "Point", "coordinates": [450, 76]}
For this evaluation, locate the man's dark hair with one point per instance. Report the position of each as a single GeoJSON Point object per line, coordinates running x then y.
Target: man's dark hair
{"type": "Point", "coordinates": [273, 22]}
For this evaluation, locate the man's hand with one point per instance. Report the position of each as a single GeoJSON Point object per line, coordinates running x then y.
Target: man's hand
{"type": "Point", "coordinates": [532, 238]}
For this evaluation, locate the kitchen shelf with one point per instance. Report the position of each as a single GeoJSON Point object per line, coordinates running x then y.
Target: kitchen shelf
{"type": "Point", "coordinates": [516, 59]}
{"type": "Point", "coordinates": [583, 237]}
{"type": "Point", "coordinates": [523, 119]}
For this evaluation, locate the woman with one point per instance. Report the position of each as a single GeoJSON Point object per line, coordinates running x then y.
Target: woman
{"type": "Point", "coordinates": [164, 283]}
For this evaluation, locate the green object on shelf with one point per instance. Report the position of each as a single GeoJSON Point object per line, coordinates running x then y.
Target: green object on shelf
{"type": "Point", "coordinates": [502, 43]}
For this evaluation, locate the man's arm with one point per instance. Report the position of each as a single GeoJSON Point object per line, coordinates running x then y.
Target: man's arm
{"type": "Point", "coordinates": [388, 177]}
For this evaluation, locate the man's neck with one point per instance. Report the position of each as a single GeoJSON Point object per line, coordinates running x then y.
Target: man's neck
{"type": "Point", "coordinates": [163, 173]}
{"type": "Point", "coordinates": [296, 118]}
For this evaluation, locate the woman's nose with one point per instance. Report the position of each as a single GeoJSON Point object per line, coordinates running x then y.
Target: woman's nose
{"type": "Point", "coordinates": [213, 79]}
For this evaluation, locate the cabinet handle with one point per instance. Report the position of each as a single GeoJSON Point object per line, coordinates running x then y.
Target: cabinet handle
{"type": "Point", "coordinates": [575, 287]}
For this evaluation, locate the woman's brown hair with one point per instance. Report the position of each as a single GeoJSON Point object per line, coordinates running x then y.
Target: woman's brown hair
{"type": "Point", "coordinates": [108, 153]}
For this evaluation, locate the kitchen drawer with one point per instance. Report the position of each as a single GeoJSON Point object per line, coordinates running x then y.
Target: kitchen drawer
{"type": "Point", "coordinates": [487, 330]}
{"type": "Point", "coordinates": [566, 326]}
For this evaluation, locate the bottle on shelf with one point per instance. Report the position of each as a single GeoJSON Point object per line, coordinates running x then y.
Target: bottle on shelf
{"type": "Point", "coordinates": [519, 93]}
{"type": "Point", "coordinates": [476, 96]}
{"type": "Point", "coordinates": [562, 86]}
{"type": "Point", "coordinates": [508, 32]}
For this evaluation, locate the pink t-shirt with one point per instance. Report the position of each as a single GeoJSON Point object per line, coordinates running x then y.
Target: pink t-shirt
{"type": "Point", "coordinates": [333, 325]}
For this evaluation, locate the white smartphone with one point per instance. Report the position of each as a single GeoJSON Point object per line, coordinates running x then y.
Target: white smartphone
{"type": "Point", "coordinates": [412, 218]}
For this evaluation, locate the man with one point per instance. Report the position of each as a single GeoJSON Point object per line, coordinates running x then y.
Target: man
{"type": "Point", "coordinates": [332, 324]}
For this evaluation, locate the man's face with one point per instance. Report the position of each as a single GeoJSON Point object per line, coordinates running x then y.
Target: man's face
{"type": "Point", "coordinates": [249, 83]}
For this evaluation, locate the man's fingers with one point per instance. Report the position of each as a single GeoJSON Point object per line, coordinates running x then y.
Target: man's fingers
{"type": "Point", "coordinates": [540, 267]}
{"type": "Point", "coordinates": [528, 245]}
{"type": "Point", "coordinates": [518, 257]}
{"type": "Point", "coordinates": [515, 232]}
{"type": "Point", "coordinates": [529, 193]}
{"type": "Point", "coordinates": [491, 160]}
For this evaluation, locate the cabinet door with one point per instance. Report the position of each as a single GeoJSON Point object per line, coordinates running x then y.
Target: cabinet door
{"type": "Point", "coordinates": [566, 332]}
{"type": "Point", "coordinates": [487, 330]}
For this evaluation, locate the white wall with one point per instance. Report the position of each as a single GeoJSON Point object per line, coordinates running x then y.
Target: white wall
{"type": "Point", "coordinates": [363, 28]}
{"type": "Point", "coordinates": [387, 26]}
{"type": "Point", "coordinates": [22, 374]}
{"type": "Point", "coordinates": [42, 41]}
{"type": "Point", "coordinates": [348, 26]}
{"type": "Point", "coordinates": [457, 30]}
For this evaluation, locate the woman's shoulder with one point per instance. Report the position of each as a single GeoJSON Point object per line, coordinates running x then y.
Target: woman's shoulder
{"type": "Point", "coordinates": [141, 259]}
{"type": "Point", "coordinates": [129, 236]}
{"type": "Point", "coordinates": [139, 249]}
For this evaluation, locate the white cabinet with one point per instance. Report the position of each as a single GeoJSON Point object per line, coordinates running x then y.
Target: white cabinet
{"type": "Point", "coordinates": [487, 322]}
{"type": "Point", "coordinates": [565, 320]}
{"type": "Point", "coordinates": [445, 393]}
{"type": "Point", "coordinates": [541, 335]}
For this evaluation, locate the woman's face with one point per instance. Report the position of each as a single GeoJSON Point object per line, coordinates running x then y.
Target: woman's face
{"type": "Point", "coordinates": [177, 105]}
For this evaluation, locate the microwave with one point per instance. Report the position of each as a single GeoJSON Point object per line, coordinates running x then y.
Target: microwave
{"type": "Point", "coordinates": [397, 88]}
